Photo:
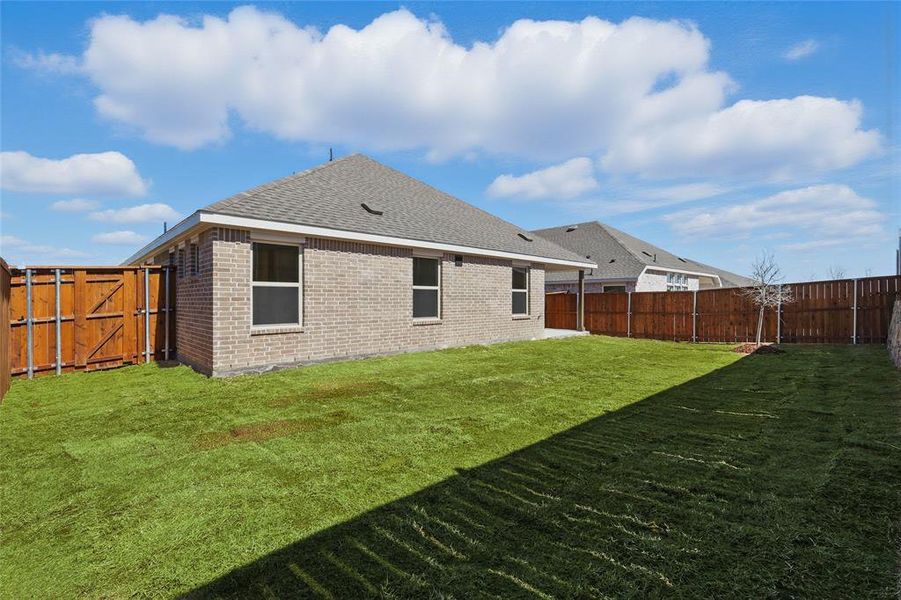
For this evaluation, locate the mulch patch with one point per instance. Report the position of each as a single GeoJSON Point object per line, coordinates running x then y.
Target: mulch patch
{"type": "Point", "coordinates": [755, 349]}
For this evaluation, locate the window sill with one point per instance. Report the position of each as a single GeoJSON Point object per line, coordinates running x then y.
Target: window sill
{"type": "Point", "coordinates": [275, 329]}
{"type": "Point", "coordinates": [522, 317]}
{"type": "Point", "coordinates": [427, 321]}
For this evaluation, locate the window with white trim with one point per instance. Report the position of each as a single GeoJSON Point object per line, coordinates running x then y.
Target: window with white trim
{"type": "Point", "coordinates": [676, 282]}
{"type": "Point", "coordinates": [426, 288]}
{"type": "Point", "coordinates": [614, 288]}
{"type": "Point", "coordinates": [276, 282]}
{"type": "Point", "coordinates": [520, 290]}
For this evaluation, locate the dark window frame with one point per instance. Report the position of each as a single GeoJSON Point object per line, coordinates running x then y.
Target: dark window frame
{"type": "Point", "coordinates": [520, 290]}
{"type": "Point", "coordinates": [429, 288]}
{"type": "Point", "coordinates": [254, 284]}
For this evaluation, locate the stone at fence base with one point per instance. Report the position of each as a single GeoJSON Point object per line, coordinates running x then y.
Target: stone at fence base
{"type": "Point", "coordinates": [894, 335]}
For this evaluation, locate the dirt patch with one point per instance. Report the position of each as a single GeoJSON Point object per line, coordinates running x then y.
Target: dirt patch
{"type": "Point", "coordinates": [755, 349]}
{"type": "Point", "coordinates": [332, 391]}
{"type": "Point", "coordinates": [267, 430]}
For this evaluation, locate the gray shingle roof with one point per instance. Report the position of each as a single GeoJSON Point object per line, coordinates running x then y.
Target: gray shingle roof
{"type": "Point", "coordinates": [331, 196]}
{"type": "Point", "coordinates": [622, 256]}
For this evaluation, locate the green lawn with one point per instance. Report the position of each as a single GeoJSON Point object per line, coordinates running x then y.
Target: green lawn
{"type": "Point", "coordinates": [582, 467]}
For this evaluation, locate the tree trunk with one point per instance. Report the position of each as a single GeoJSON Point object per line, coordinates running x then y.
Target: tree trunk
{"type": "Point", "coordinates": [759, 325]}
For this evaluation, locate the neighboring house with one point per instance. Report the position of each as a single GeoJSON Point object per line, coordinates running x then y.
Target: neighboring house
{"type": "Point", "coordinates": [628, 264]}
{"type": "Point", "coordinates": [351, 258]}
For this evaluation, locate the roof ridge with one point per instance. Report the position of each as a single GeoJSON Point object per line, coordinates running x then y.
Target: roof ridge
{"type": "Point", "coordinates": [616, 239]}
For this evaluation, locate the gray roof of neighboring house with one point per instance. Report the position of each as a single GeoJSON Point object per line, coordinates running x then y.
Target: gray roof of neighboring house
{"type": "Point", "coordinates": [331, 195]}
{"type": "Point", "coordinates": [622, 256]}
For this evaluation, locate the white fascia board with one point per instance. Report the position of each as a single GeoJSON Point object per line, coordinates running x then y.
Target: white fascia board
{"type": "Point", "coordinates": [215, 219]}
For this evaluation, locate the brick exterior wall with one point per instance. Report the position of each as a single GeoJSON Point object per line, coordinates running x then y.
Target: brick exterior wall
{"type": "Point", "coordinates": [357, 301]}
{"type": "Point", "coordinates": [194, 305]}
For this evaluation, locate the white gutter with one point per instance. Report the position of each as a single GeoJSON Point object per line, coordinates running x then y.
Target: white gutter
{"type": "Point", "coordinates": [215, 219]}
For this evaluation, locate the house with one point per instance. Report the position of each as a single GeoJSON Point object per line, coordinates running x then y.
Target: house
{"type": "Point", "coordinates": [628, 264]}
{"type": "Point", "coordinates": [349, 259]}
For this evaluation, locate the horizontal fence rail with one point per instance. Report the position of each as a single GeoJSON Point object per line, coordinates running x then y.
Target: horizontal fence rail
{"type": "Point", "coordinates": [64, 319]}
{"type": "Point", "coordinates": [844, 311]}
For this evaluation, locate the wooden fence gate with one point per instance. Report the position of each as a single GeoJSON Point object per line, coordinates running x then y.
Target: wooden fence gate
{"type": "Point", "coordinates": [87, 318]}
{"type": "Point", "coordinates": [845, 311]}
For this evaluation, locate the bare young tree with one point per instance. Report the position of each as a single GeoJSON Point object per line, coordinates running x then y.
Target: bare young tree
{"type": "Point", "coordinates": [767, 290]}
{"type": "Point", "coordinates": [836, 272]}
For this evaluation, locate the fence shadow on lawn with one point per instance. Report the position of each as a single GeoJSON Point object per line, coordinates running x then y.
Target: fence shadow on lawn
{"type": "Point", "coordinates": [746, 482]}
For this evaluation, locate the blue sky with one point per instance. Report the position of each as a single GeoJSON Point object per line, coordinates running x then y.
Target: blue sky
{"type": "Point", "coordinates": [714, 130]}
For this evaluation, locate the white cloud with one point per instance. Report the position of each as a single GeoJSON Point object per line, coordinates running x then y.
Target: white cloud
{"type": "Point", "coordinates": [51, 63]}
{"type": "Point", "coordinates": [773, 139]}
{"type": "Point", "coordinates": [20, 252]}
{"type": "Point", "coordinates": [567, 180]}
{"type": "Point", "coordinates": [816, 244]}
{"type": "Point", "coordinates": [801, 50]}
{"type": "Point", "coordinates": [102, 174]}
{"type": "Point", "coordinates": [541, 88]}
{"type": "Point", "coordinates": [74, 205]}
{"type": "Point", "coordinates": [120, 238]}
{"type": "Point", "coordinates": [820, 212]}
{"type": "Point", "coordinates": [142, 213]}
{"type": "Point", "coordinates": [632, 93]}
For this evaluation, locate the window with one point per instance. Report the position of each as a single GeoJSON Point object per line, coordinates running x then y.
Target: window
{"type": "Point", "coordinates": [614, 288]}
{"type": "Point", "coordinates": [426, 288]}
{"type": "Point", "coordinates": [195, 258]}
{"type": "Point", "coordinates": [676, 282]}
{"type": "Point", "coordinates": [520, 290]}
{"type": "Point", "coordinates": [276, 284]}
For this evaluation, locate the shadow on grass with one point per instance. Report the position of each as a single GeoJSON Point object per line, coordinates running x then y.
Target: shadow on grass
{"type": "Point", "coordinates": [778, 475]}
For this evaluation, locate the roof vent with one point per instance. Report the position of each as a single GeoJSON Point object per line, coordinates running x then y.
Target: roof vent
{"type": "Point", "coordinates": [682, 259]}
{"type": "Point", "coordinates": [524, 236]}
{"type": "Point", "coordinates": [648, 254]}
{"type": "Point", "coordinates": [612, 260]}
{"type": "Point", "coordinates": [571, 228]}
{"type": "Point", "coordinates": [369, 209]}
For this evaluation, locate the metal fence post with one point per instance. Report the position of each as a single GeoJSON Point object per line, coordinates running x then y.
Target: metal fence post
{"type": "Point", "coordinates": [854, 320]}
{"type": "Point", "coordinates": [59, 337]}
{"type": "Point", "coordinates": [694, 317]}
{"type": "Point", "coordinates": [146, 315]}
{"type": "Point", "coordinates": [629, 316]}
{"type": "Point", "coordinates": [29, 333]}
{"type": "Point", "coordinates": [166, 337]}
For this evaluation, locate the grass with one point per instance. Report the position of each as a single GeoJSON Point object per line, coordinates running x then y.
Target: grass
{"type": "Point", "coordinates": [583, 467]}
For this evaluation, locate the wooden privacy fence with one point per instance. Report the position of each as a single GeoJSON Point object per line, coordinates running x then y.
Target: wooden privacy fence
{"type": "Point", "coordinates": [87, 318]}
{"type": "Point", "coordinates": [852, 311]}
{"type": "Point", "coordinates": [5, 276]}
